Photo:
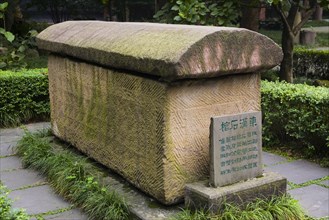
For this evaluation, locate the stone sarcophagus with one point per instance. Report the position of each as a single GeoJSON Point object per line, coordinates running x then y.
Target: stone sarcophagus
{"type": "Point", "coordinates": [138, 97]}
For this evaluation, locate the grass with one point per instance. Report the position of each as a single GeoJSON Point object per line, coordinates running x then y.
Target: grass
{"type": "Point", "coordinates": [275, 208]}
{"type": "Point", "coordinates": [72, 176]}
{"type": "Point", "coordinates": [322, 23]}
{"type": "Point", "coordinates": [308, 183]}
{"type": "Point", "coordinates": [42, 216]}
{"type": "Point", "coordinates": [275, 35]}
{"type": "Point", "coordinates": [321, 39]}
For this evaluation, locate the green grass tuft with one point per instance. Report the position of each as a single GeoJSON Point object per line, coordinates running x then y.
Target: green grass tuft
{"type": "Point", "coordinates": [277, 208]}
{"type": "Point", "coordinates": [72, 176]}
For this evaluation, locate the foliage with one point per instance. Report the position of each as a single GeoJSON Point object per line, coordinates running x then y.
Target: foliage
{"type": "Point", "coordinates": [36, 62]}
{"type": "Point", "coordinates": [6, 210]}
{"type": "Point", "coordinates": [219, 13]}
{"type": "Point", "coordinates": [72, 176]}
{"type": "Point", "coordinates": [23, 96]}
{"type": "Point", "coordinates": [313, 64]}
{"type": "Point", "coordinates": [288, 11]}
{"type": "Point", "coordinates": [63, 10]}
{"type": "Point", "coordinates": [275, 208]}
{"type": "Point", "coordinates": [16, 51]}
{"type": "Point", "coordinates": [270, 75]}
{"type": "Point", "coordinates": [296, 113]}
{"type": "Point", "coordinates": [8, 35]}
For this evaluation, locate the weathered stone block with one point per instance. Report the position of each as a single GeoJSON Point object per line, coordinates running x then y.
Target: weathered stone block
{"type": "Point", "coordinates": [200, 196]}
{"type": "Point", "coordinates": [139, 97]}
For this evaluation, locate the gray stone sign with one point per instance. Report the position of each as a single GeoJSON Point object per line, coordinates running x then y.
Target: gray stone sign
{"type": "Point", "coordinates": [235, 148]}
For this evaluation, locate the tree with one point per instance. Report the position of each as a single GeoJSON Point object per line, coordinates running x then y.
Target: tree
{"type": "Point", "coordinates": [288, 11]}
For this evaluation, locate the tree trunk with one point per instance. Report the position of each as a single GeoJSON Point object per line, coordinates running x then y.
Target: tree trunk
{"type": "Point", "coordinates": [107, 11]}
{"type": "Point", "coordinates": [10, 15]}
{"type": "Point", "coordinates": [286, 68]}
{"type": "Point", "coordinates": [298, 19]}
{"type": "Point", "coordinates": [306, 4]}
{"type": "Point", "coordinates": [250, 15]}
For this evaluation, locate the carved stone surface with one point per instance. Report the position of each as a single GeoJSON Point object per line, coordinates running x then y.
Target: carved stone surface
{"type": "Point", "coordinates": [236, 148]}
{"type": "Point", "coordinates": [155, 134]}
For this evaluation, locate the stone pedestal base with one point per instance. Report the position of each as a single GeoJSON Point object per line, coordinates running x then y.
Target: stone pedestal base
{"type": "Point", "coordinates": [200, 196]}
{"type": "Point", "coordinates": [307, 37]}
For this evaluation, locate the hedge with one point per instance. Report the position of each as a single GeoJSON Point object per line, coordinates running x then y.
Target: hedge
{"type": "Point", "coordinates": [313, 64]}
{"type": "Point", "coordinates": [296, 113]}
{"type": "Point", "coordinates": [23, 96]}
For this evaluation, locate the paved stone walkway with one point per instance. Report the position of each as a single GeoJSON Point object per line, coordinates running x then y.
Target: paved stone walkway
{"type": "Point", "coordinates": [324, 29]}
{"type": "Point", "coordinates": [30, 191]}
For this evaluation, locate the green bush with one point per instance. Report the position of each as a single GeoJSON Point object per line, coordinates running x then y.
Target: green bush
{"type": "Point", "coordinates": [297, 114]}
{"type": "Point", "coordinates": [312, 64]}
{"type": "Point", "coordinates": [23, 96]}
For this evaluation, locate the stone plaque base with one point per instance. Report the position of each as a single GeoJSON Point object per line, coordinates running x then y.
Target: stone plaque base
{"type": "Point", "coordinates": [200, 196]}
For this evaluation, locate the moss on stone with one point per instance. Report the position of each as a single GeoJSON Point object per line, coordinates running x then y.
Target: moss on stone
{"type": "Point", "coordinates": [167, 51]}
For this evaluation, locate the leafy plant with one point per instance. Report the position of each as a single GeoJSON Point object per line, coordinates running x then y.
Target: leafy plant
{"type": "Point", "coordinates": [14, 48]}
{"type": "Point", "coordinates": [6, 210]}
{"type": "Point", "coordinates": [8, 35]}
{"type": "Point", "coordinates": [219, 13]}
{"type": "Point", "coordinates": [23, 96]}
{"type": "Point", "coordinates": [14, 56]}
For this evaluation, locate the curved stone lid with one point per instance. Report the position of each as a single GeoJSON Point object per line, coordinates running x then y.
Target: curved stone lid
{"type": "Point", "coordinates": [168, 51]}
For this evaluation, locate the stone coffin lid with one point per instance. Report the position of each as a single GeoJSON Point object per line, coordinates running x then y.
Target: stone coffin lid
{"type": "Point", "coordinates": [167, 51]}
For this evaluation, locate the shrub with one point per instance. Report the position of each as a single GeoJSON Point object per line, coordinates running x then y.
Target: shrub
{"type": "Point", "coordinates": [296, 113]}
{"type": "Point", "coordinates": [313, 64]}
{"type": "Point", "coordinates": [23, 96]}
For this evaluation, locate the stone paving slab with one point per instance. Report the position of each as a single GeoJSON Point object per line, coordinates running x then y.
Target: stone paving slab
{"type": "Point", "coordinates": [299, 171]}
{"type": "Point", "coordinates": [11, 132]}
{"type": "Point", "coordinates": [37, 126]}
{"type": "Point", "coordinates": [271, 159]}
{"type": "Point", "coordinates": [10, 163]}
{"type": "Point", "coordinates": [7, 149]}
{"type": "Point", "coordinates": [20, 178]}
{"type": "Point", "coordinates": [9, 139]}
{"type": "Point", "coordinates": [34, 127]}
{"type": "Point", "coordinates": [314, 199]}
{"type": "Point", "coordinates": [37, 200]}
{"type": "Point", "coordinates": [324, 29]}
{"type": "Point", "coordinates": [74, 214]}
